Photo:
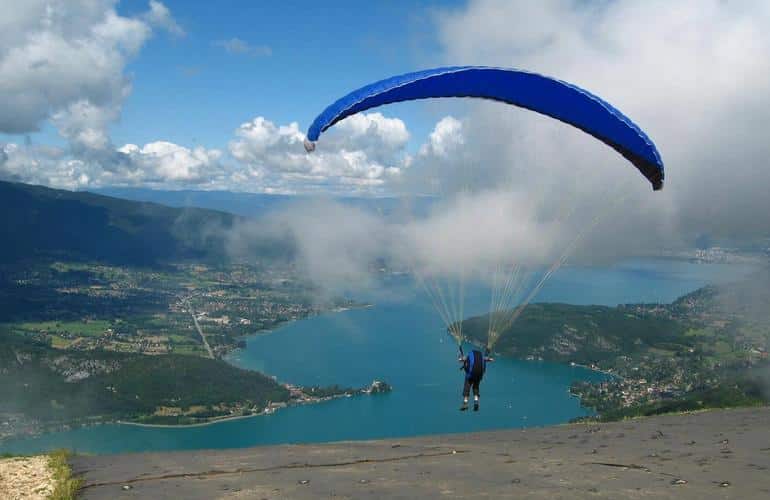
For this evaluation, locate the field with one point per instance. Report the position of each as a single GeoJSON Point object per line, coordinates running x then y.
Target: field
{"type": "Point", "coordinates": [85, 328]}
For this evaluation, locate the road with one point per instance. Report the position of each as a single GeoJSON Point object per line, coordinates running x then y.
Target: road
{"type": "Point", "coordinates": [200, 331]}
{"type": "Point", "coordinates": [186, 301]}
{"type": "Point", "coordinates": [706, 455]}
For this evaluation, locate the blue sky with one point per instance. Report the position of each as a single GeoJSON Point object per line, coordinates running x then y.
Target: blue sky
{"type": "Point", "coordinates": [197, 93]}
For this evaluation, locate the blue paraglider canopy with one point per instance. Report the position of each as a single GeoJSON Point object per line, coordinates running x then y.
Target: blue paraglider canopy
{"type": "Point", "coordinates": [548, 96]}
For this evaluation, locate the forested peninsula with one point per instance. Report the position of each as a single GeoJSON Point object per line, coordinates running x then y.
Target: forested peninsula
{"type": "Point", "coordinates": [708, 348]}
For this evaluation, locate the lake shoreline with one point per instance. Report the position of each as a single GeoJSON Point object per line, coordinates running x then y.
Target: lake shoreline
{"type": "Point", "coordinates": [67, 426]}
{"type": "Point", "coordinates": [181, 426]}
{"type": "Point", "coordinates": [540, 360]}
{"type": "Point", "coordinates": [220, 420]}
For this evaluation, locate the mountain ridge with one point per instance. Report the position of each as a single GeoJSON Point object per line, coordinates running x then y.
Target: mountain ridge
{"type": "Point", "coordinates": [50, 223]}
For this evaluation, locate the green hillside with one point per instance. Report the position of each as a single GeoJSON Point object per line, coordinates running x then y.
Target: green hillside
{"type": "Point", "coordinates": [583, 334]}
{"type": "Point", "coordinates": [53, 386]}
{"type": "Point", "coordinates": [708, 348]}
{"type": "Point", "coordinates": [39, 222]}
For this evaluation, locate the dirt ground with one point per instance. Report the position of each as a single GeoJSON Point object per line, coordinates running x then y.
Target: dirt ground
{"type": "Point", "coordinates": [709, 455]}
{"type": "Point", "coordinates": [27, 478]}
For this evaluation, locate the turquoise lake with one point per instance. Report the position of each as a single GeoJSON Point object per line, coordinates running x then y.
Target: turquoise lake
{"type": "Point", "coordinates": [401, 340]}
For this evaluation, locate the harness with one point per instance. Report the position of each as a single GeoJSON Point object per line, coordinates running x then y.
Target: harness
{"type": "Point", "coordinates": [475, 366]}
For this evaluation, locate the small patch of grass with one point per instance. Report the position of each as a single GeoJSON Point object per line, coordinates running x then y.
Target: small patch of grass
{"type": "Point", "coordinates": [58, 342]}
{"type": "Point", "coordinates": [66, 486]}
{"type": "Point", "coordinates": [188, 350]}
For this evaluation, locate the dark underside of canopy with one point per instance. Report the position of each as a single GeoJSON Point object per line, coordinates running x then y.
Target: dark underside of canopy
{"type": "Point", "coordinates": [652, 172]}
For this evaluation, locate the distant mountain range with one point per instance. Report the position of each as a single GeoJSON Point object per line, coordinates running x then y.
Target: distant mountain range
{"type": "Point", "coordinates": [258, 204]}
{"type": "Point", "coordinates": [40, 222]}
{"type": "Point", "coordinates": [243, 204]}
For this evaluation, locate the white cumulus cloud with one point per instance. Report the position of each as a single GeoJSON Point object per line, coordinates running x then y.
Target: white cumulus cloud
{"type": "Point", "coordinates": [64, 62]}
{"type": "Point", "coordinates": [166, 162]}
{"type": "Point", "coordinates": [58, 54]}
{"type": "Point", "coordinates": [159, 15]}
{"type": "Point", "coordinates": [360, 155]}
{"type": "Point", "coordinates": [445, 139]}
